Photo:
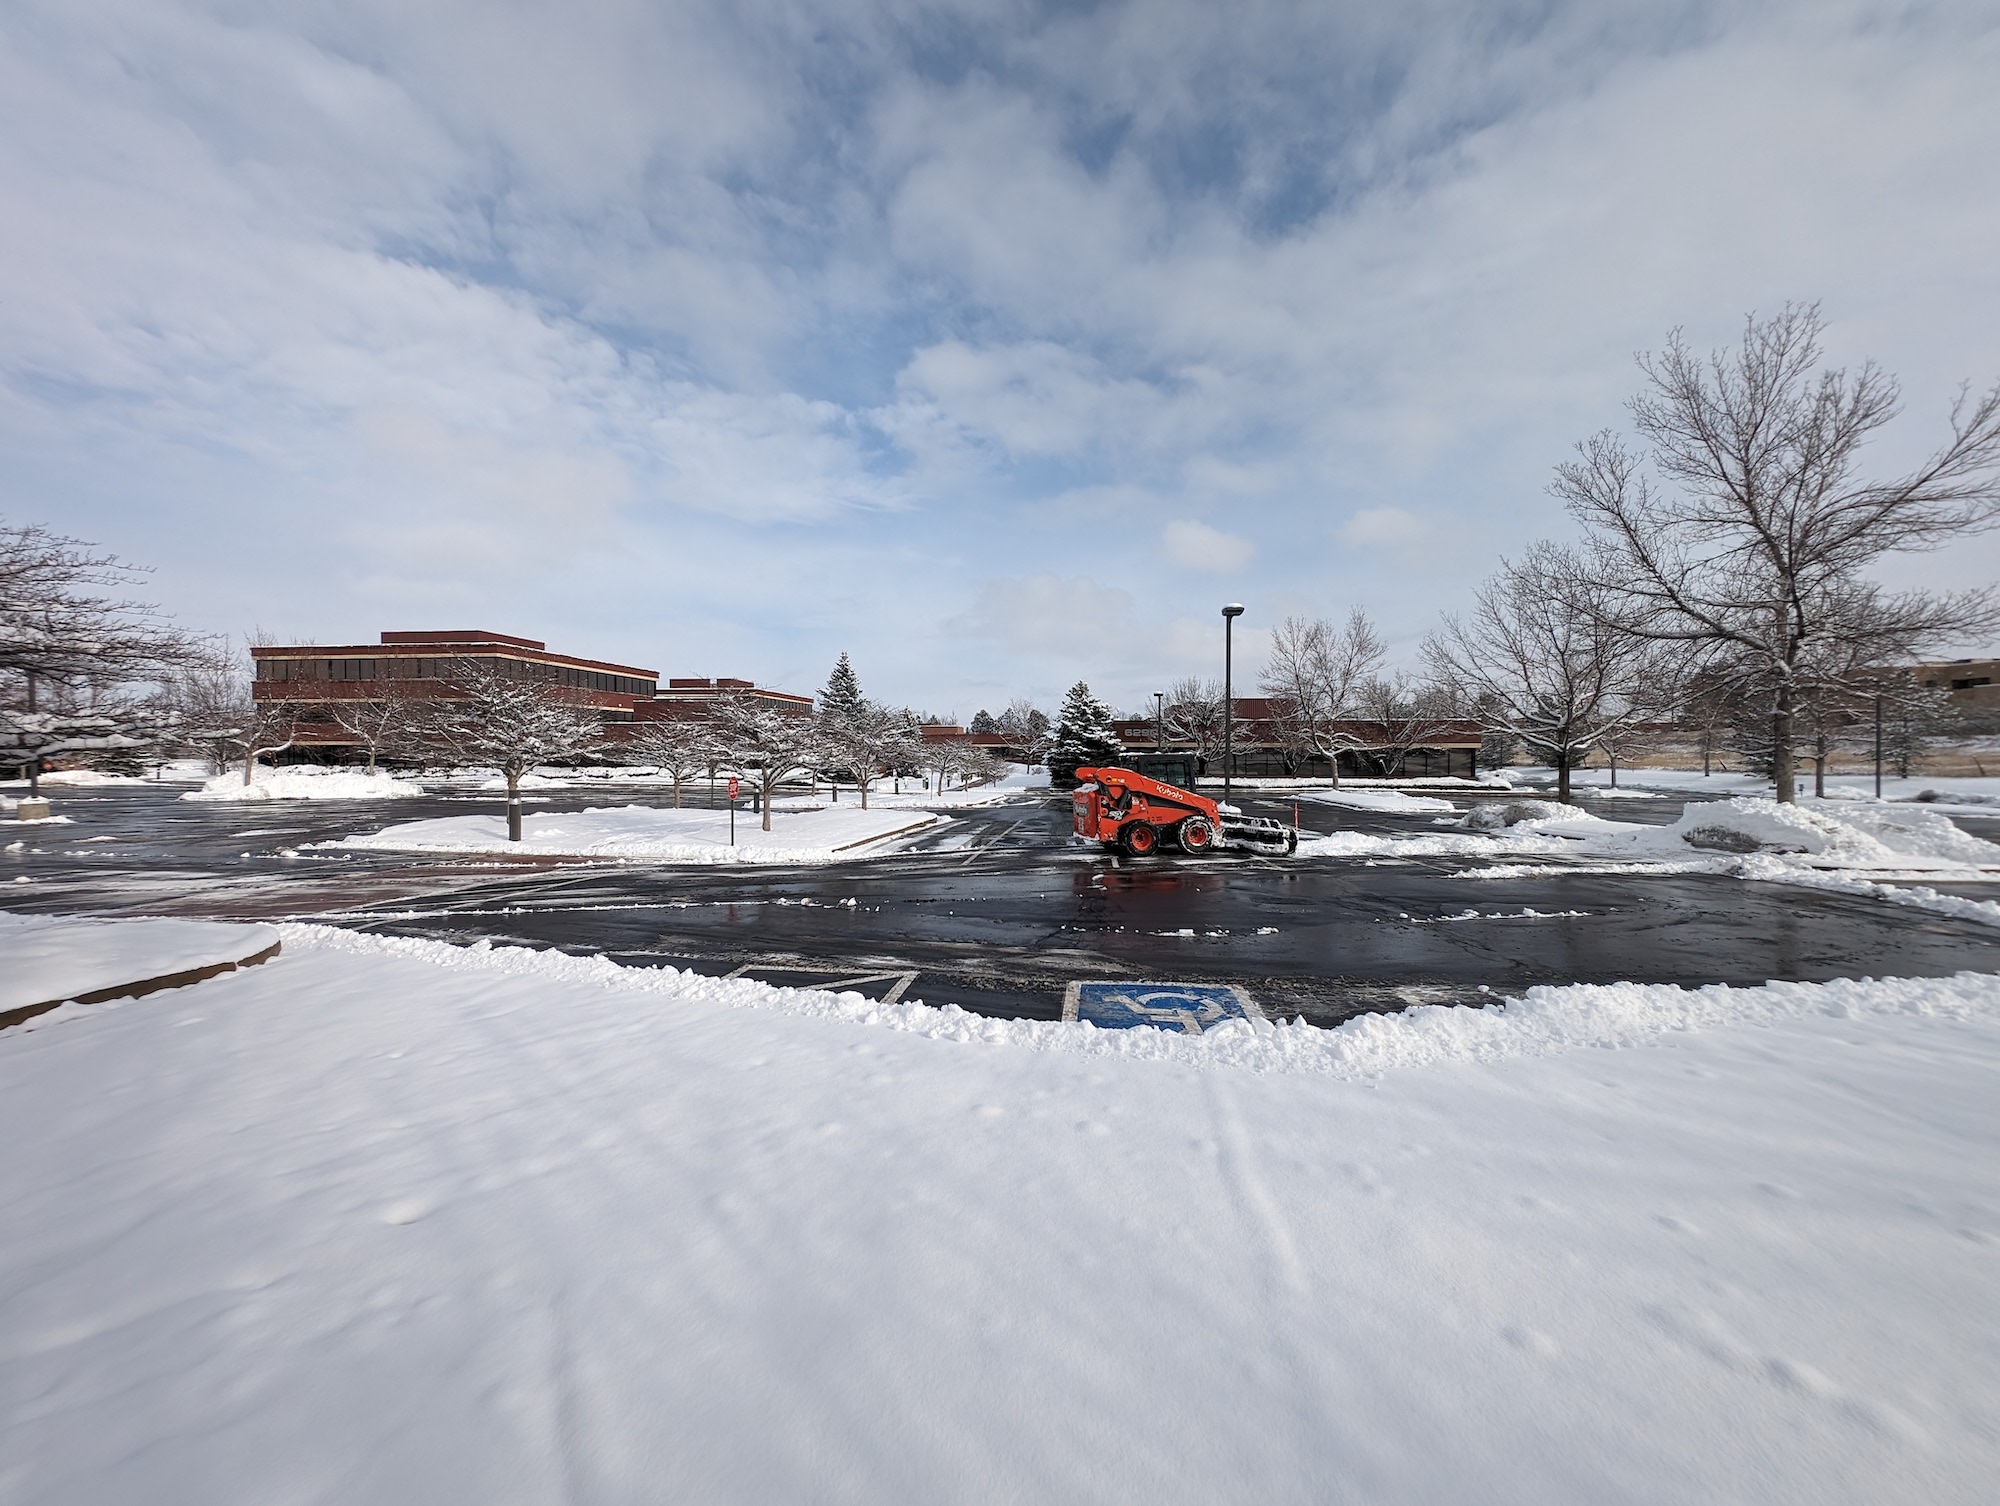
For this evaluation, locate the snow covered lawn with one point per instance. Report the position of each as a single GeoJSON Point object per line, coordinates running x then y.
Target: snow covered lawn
{"type": "Point", "coordinates": [385, 1221]}
{"type": "Point", "coordinates": [800, 833]}
{"type": "Point", "coordinates": [45, 958]}
{"type": "Point", "coordinates": [304, 782]}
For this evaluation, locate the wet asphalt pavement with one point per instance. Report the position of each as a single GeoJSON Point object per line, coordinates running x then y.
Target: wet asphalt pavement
{"type": "Point", "coordinates": [996, 911]}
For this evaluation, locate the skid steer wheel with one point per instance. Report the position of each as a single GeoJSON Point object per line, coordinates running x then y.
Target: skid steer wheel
{"type": "Point", "coordinates": [1139, 839]}
{"type": "Point", "coordinates": [1196, 835]}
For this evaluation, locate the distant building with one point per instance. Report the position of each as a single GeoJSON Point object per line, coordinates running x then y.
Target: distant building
{"type": "Point", "coordinates": [694, 697]}
{"type": "Point", "coordinates": [1260, 750]}
{"type": "Point", "coordinates": [314, 676]}
{"type": "Point", "coordinates": [420, 665]}
{"type": "Point", "coordinates": [1969, 682]}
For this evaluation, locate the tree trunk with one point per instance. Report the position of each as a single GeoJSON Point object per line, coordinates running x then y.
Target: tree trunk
{"type": "Point", "coordinates": [1819, 773]}
{"type": "Point", "coordinates": [513, 805]}
{"type": "Point", "coordinates": [249, 766]}
{"type": "Point", "coordinates": [864, 793]}
{"type": "Point", "coordinates": [1784, 787]}
{"type": "Point", "coordinates": [1562, 778]}
{"type": "Point", "coordinates": [770, 788]}
{"type": "Point", "coordinates": [371, 758]}
{"type": "Point", "coordinates": [1704, 755]}
{"type": "Point", "coordinates": [1614, 768]}
{"type": "Point", "coordinates": [677, 792]}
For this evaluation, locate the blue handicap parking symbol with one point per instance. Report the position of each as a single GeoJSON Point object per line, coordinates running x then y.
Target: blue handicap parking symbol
{"type": "Point", "coordinates": [1187, 1007]}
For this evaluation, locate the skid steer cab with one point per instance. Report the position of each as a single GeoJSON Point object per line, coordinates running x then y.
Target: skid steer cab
{"type": "Point", "coordinates": [1139, 816]}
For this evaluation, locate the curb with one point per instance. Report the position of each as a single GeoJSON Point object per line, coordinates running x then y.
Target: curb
{"type": "Point", "coordinates": [901, 831]}
{"type": "Point", "coordinates": [140, 989]}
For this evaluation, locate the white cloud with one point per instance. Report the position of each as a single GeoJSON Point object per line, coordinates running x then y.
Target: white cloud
{"type": "Point", "coordinates": [1384, 527]}
{"type": "Point", "coordinates": [761, 337]}
{"type": "Point", "coordinates": [1199, 547]}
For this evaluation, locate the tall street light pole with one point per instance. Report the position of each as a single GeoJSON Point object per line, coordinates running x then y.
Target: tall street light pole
{"type": "Point", "coordinates": [1229, 615]}
{"type": "Point", "coordinates": [1159, 721]}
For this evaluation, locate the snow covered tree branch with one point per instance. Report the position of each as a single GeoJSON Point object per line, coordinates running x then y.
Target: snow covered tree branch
{"type": "Point", "coordinates": [513, 725]}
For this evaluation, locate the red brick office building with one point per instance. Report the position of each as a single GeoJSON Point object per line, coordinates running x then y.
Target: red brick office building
{"type": "Point", "coordinates": [421, 664]}
{"type": "Point", "coordinates": [682, 697]}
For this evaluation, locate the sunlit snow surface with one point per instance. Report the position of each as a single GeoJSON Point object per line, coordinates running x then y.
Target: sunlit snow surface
{"type": "Point", "coordinates": [800, 832]}
{"type": "Point", "coordinates": [305, 782]}
{"type": "Point", "coordinates": [389, 1221]}
{"type": "Point", "coordinates": [43, 958]}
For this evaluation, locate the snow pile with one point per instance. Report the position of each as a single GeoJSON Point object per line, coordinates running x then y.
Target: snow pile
{"type": "Point", "coordinates": [1859, 837]}
{"type": "Point", "coordinates": [534, 781]}
{"type": "Point", "coordinates": [1376, 800]}
{"type": "Point", "coordinates": [1545, 1021]}
{"type": "Point", "coordinates": [1958, 797]}
{"type": "Point", "coordinates": [371, 1224]}
{"type": "Point", "coordinates": [642, 833]}
{"type": "Point", "coordinates": [1494, 815]}
{"type": "Point", "coordinates": [1522, 841]}
{"type": "Point", "coordinates": [305, 782]}
{"type": "Point", "coordinates": [52, 957]}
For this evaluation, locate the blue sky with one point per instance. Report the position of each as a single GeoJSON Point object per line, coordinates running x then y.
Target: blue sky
{"type": "Point", "coordinates": [996, 344]}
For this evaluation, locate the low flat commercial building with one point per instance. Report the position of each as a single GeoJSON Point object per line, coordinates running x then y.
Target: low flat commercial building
{"type": "Point", "coordinates": [682, 696]}
{"type": "Point", "coordinates": [317, 677]}
{"type": "Point", "coordinates": [1969, 682]}
{"type": "Point", "coordinates": [1372, 750]}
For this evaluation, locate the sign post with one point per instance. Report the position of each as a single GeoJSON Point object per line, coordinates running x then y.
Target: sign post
{"type": "Point", "coordinates": [732, 810]}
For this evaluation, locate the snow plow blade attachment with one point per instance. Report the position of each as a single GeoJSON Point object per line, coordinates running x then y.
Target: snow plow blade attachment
{"type": "Point", "coordinates": [1255, 834]}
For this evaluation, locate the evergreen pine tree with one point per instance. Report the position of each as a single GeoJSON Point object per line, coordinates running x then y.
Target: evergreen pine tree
{"type": "Point", "coordinates": [1083, 734]}
{"type": "Point", "coordinates": [983, 722]}
{"type": "Point", "coordinates": [841, 700]}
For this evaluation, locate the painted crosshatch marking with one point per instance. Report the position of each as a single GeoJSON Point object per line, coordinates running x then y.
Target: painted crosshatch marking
{"type": "Point", "coordinates": [1187, 1007]}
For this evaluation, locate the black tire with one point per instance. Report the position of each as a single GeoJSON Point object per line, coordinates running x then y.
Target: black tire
{"type": "Point", "coordinates": [1195, 835]}
{"type": "Point", "coordinates": [1139, 839]}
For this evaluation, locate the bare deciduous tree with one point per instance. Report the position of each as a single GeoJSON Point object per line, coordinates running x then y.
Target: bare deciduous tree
{"type": "Point", "coordinates": [497, 721]}
{"type": "Point", "coordinates": [678, 746]}
{"type": "Point", "coordinates": [941, 757]}
{"type": "Point", "coordinates": [1314, 675]}
{"type": "Point", "coordinates": [1749, 537]}
{"type": "Point", "coordinates": [870, 740]}
{"type": "Point", "coordinates": [76, 660]}
{"type": "Point", "coordinates": [57, 625]}
{"type": "Point", "coordinates": [1194, 714]}
{"type": "Point", "coordinates": [391, 720]}
{"type": "Point", "coordinates": [209, 710]}
{"type": "Point", "coordinates": [766, 744]}
{"type": "Point", "coordinates": [1540, 656]}
{"type": "Point", "coordinates": [1409, 714]}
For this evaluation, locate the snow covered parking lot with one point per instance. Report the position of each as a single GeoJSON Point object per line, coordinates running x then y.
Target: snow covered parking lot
{"type": "Point", "coordinates": [392, 1221]}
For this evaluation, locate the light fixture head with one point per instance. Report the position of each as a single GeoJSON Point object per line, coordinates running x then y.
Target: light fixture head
{"type": "Point", "coordinates": [1234, 609]}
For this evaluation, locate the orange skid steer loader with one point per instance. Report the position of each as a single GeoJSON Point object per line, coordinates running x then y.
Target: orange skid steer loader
{"type": "Point", "coordinates": [1138, 816]}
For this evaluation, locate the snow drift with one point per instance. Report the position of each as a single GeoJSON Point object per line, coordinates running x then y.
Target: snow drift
{"type": "Point", "coordinates": [303, 782]}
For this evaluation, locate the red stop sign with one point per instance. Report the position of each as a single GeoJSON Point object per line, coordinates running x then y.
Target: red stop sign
{"type": "Point", "coordinates": [732, 786]}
